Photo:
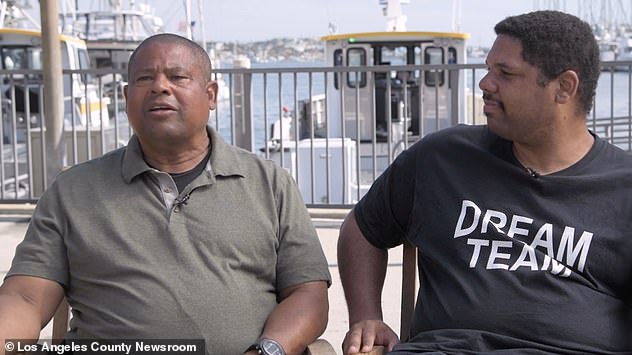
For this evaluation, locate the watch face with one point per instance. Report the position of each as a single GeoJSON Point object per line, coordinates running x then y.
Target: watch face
{"type": "Point", "coordinates": [270, 347]}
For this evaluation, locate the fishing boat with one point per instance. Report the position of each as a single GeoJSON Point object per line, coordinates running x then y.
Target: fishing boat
{"type": "Point", "coordinates": [21, 50]}
{"type": "Point", "coordinates": [112, 30]}
{"type": "Point", "coordinates": [380, 101]}
{"type": "Point", "coordinates": [115, 28]}
{"type": "Point", "coordinates": [86, 118]}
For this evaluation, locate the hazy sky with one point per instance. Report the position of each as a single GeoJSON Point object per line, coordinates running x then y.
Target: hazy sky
{"type": "Point", "coordinates": [251, 20]}
{"type": "Point", "coordinates": [246, 20]}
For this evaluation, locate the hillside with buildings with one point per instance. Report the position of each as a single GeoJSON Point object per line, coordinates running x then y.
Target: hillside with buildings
{"type": "Point", "coordinates": [309, 50]}
{"type": "Point", "coordinates": [273, 50]}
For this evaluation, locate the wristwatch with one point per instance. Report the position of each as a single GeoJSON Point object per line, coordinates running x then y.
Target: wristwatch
{"type": "Point", "coordinates": [267, 347]}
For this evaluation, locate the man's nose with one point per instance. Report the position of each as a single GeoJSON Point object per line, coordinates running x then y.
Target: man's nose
{"type": "Point", "coordinates": [160, 83]}
{"type": "Point", "coordinates": [487, 83]}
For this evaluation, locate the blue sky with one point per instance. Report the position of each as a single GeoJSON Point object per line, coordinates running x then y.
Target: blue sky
{"type": "Point", "coordinates": [252, 20]}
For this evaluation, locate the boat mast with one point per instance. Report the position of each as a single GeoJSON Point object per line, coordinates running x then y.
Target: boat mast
{"type": "Point", "coordinates": [201, 19]}
{"type": "Point", "coordinates": [187, 15]}
{"type": "Point", "coordinates": [456, 15]}
{"type": "Point", "coordinates": [392, 10]}
{"type": "Point", "coordinates": [14, 14]}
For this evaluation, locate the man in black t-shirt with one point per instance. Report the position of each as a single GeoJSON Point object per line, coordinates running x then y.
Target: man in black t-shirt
{"type": "Point", "coordinates": [522, 226]}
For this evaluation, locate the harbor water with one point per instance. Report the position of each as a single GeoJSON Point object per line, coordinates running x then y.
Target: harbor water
{"type": "Point", "coordinates": [272, 93]}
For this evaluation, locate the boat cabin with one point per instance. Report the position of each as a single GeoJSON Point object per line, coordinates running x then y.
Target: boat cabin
{"type": "Point", "coordinates": [387, 90]}
{"type": "Point", "coordinates": [21, 49]}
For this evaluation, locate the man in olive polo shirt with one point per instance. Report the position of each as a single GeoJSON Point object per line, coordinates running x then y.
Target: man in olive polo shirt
{"type": "Point", "coordinates": [176, 236]}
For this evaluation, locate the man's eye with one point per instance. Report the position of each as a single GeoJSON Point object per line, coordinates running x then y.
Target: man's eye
{"type": "Point", "coordinates": [143, 78]}
{"type": "Point", "coordinates": [179, 77]}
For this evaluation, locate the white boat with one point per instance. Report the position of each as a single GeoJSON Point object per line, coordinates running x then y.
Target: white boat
{"type": "Point", "coordinates": [372, 113]}
{"type": "Point", "coordinates": [223, 89]}
{"type": "Point", "coordinates": [624, 48]}
{"type": "Point", "coordinates": [112, 31]}
{"type": "Point", "coordinates": [21, 49]}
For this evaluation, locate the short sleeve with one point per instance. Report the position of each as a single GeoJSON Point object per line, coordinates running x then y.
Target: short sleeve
{"type": "Point", "coordinates": [383, 212]}
{"type": "Point", "coordinates": [300, 257]}
{"type": "Point", "coordinates": [42, 253]}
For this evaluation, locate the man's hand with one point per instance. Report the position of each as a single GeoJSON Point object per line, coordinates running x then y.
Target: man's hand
{"type": "Point", "coordinates": [363, 335]}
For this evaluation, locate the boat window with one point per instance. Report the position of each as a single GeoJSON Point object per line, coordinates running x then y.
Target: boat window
{"type": "Point", "coordinates": [84, 63]}
{"type": "Point", "coordinates": [21, 58]}
{"type": "Point", "coordinates": [417, 61]}
{"type": "Point", "coordinates": [65, 61]}
{"type": "Point", "coordinates": [356, 57]}
{"type": "Point", "coordinates": [395, 55]}
{"type": "Point", "coordinates": [433, 55]}
{"type": "Point", "coordinates": [452, 59]}
{"type": "Point", "coordinates": [337, 63]}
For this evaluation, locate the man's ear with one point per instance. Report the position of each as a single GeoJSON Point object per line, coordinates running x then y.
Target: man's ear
{"type": "Point", "coordinates": [125, 92]}
{"type": "Point", "coordinates": [568, 86]}
{"type": "Point", "coordinates": [211, 89]}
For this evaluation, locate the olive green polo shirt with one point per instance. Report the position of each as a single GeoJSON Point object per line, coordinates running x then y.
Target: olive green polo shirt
{"type": "Point", "coordinates": [137, 260]}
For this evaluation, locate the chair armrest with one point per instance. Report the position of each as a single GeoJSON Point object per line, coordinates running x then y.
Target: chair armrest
{"type": "Point", "coordinates": [320, 347]}
{"type": "Point", "coordinates": [377, 350]}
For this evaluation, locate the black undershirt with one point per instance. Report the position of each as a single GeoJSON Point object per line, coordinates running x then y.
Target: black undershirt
{"type": "Point", "coordinates": [185, 178]}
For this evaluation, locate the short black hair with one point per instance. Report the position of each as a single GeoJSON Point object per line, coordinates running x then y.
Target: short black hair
{"type": "Point", "coordinates": [554, 42]}
{"type": "Point", "coordinates": [196, 50]}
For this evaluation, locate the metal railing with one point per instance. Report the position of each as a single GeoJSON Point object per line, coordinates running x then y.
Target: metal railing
{"type": "Point", "coordinates": [328, 156]}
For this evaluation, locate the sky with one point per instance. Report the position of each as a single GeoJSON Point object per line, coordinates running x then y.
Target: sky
{"type": "Point", "coordinates": [255, 20]}
{"type": "Point", "coordinates": [252, 20]}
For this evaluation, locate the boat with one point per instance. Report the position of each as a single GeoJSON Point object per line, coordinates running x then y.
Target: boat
{"type": "Point", "coordinates": [613, 32]}
{"type": "Point", "coordinates": [112, 31]}
{"type": "Point", "coordinates": [21, 49]}
{"type": "Point", "coordinates": [223, 88]}
{"type": "Point", "coordinates": [376, 110]}
{"type": "Point", "coordinates": [335, 127]}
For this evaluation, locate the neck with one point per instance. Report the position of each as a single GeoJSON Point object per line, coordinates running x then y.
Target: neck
{"type": "Point", "coordinates": [557, 155]}
{"type": "Point", "coordinates": [177, 160]}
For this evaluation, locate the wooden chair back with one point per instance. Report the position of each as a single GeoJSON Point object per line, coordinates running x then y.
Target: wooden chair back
{"type": "Point", "coordinates": [409, 289]}
{"type": "Point", "coordinates": [409, 286]}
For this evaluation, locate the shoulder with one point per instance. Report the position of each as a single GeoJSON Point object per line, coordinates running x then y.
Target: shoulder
{"type": "Point", "coordinates": [103, 167]}
{"type": "Point", "coordinates": [229, 160]}
{"type": "Point", "coordinates": [460, 134]}
{"type": "Point", "coordinates": [608, 155]}
{"type": "Point", "coordinates": [457, 140]}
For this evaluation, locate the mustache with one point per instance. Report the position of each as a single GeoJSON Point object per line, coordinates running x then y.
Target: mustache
{"type": "Point", "coordinates": [488, 97]}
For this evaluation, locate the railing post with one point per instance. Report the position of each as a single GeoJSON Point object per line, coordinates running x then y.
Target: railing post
{"type": "Point", "coordinates": [53, 88]}
{"type": "Point", "coordinates": [243, 129]}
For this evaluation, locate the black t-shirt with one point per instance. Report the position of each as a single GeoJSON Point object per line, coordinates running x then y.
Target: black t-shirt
{"type": "Point", "coordinates": [509, 260]}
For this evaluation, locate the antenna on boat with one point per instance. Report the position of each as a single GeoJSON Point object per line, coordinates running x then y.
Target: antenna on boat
{"type": "Point", "coordinates": [456, 15]}
{"type": "Point", "coordinates": [392, 10]}
{"type": "Point", "coordinates": [187, 14]}
{"type": "Point", "coordinates": [202, 29]}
